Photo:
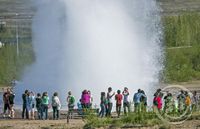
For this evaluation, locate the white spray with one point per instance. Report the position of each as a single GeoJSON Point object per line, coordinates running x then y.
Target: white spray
{"type": "Point", "coordinates": [95, 44]}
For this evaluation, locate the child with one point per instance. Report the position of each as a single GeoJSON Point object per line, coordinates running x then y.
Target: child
{"type": "Point", "coordinates": [80, 109]}
{"type": "Point", "coordinates": [118, 98]}
{"type": "Point", "coordinates": [56, 106]}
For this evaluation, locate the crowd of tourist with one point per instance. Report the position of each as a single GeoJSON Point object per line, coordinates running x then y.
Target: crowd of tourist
{"type": "Point", "coordinates": [164, 101]}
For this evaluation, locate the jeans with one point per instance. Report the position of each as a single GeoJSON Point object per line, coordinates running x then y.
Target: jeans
{"type": "Point", "coordinates": [101, 113]}
{"type": "Point", "coordinates": [126, 105]}
{"type": "Point", "coordinates": [25, 110]}
{"type": "Point", "coordinates": [55, 113]}
{"type": "Point", "coordinates": [39, 112]}
{"type": "Point", "coordinates": [109, 109]}
{"type": "Point", "coordinates": [137, 107]}
{"type": "Point", "coordinates": [45, 111]}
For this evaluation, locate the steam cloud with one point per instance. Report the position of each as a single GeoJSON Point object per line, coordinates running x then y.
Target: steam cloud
{"type": "Point", "coordinates": [95, 44]}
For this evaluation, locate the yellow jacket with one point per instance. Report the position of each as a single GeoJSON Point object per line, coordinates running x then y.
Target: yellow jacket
{"type": "Point", "coordinates": [187, 101]}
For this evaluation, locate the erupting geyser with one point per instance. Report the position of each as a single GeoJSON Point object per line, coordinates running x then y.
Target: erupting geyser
{"type": "Point", "coordinates": [94, 44]}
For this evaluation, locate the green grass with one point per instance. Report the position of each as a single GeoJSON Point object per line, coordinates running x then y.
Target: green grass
{"type": "Point", "coordinates": [182, 64]}
{"type": "Point", "coordinates": [147, 119]}
{"type": "Point", "coordinates": [133, 120]}
{"type": "Point", "coordinates": [12, 65]}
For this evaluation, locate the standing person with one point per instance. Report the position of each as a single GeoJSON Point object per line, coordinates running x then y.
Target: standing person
{"type": "Point", "coordinates": [71, 104]}
{"type": "Point", "coordinates": [56, 105]}
{"type": "Point", "coordinates": [169, 102]}
{"type": "Point", "coordinates": [39, 106]}
{"type": "Point", "coordinates": [187, 101]}
{"type": "Point", "coordinates": [102, 104]}
{"type": "Point", "coordinates": [32, 98]}
{"type": "Point", "coordinates": [126, 103]}
{"type": "Point", "coordinates": [157, 101]}
{"type": "Point", "coordinates": [85, 99]}
{"type": "Point", "coordinates": [195, 101]}
{"type": "Point", "coordinates": [118, 98]}
{"type": "Point", "coordinates": [45, 105]}
{"type": "Point", "coordinates": [143, 100]}
{"type": "Point", "coordinates": [110, 95]}
{"type": "Point", "coordinates": [11, 101]}
{"type": "Point", "coordinates": [181, 102]}
{"type": "Point", "coordinates": [29, 104]}
{"type": "Point", "coordinates": [137, 100]}
{"type": "Point", "coordinates": [6, 101]}
{"type": "Point", "coordinates": [24, 109]}
{"type": "Point", "coordinates": [80, 109]}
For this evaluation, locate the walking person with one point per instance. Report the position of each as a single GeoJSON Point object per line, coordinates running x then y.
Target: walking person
{"type": "Point", "coordinates": [39, 106]}
{"type": "Point", "coordinates": [102, 104]}
{"type": "Point", "coordinates": [56, 105]}
{"type": "Point", "coordinates": [110, 95]}
{"type": "Point", "coordinates": [71, 104]}
{"type": "Point", "coordinates": [45, 105]}
{"type": "Point", "coordinates": [24, 109]}
{"type": "Point", "coordinates": [126, 103]}
{"type": "Point", "coordinates": [118, 98]}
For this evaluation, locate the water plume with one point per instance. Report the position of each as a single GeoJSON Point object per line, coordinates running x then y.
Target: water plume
{"type": "Point", "coordinates": [95, 44]}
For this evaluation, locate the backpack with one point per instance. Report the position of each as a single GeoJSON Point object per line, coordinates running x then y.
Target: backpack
{"type": "Point", "coordinates": [71, 100]}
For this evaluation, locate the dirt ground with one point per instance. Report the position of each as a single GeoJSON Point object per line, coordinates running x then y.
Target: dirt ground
{"type": "Point", "coordinates": [41, 124]}
{"type": "Point", "coordinates": [75, 124]}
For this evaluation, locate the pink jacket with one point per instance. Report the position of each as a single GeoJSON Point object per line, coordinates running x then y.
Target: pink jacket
{"type": "Point", "coordinates": [85, 98]}
{"type": "Point", "coordinates": [159, 101]}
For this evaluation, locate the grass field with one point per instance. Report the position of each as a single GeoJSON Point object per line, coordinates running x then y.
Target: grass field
{"type": "Point", "coordinates": [182, 41]}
